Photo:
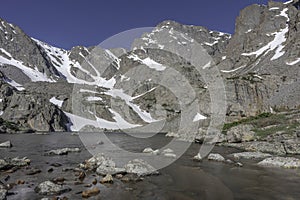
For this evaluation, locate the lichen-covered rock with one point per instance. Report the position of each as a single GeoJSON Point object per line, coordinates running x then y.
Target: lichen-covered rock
{"type": "Point", "coordinates": [216, 157]}
{"type": "Point", "coordinates": [284, 162]}
{"type": "Point", "coordinates": [292, 146]}
{"type": "Point", "coordinates": [250, 155]}
{"type": "Point", "coordinates": [14, 162]}
{"type": "Point", "coordinates": [50, 188]}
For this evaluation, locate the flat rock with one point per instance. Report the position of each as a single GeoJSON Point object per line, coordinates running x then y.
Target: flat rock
{"type": "Point", "coordinates": [139, 167]}
{"type": "Point", "coordinates": [284, 162]}
{"type": "Point", "coordinates": [250, 155]}
{"type": "Point", "coordinates": [50, 188]}
{"type": "Point", "coordinates": [6, 144]}
{"type": "Point", "coordinates": [216, 157]}
{"type": "Point", "coordinates": [63, 151]}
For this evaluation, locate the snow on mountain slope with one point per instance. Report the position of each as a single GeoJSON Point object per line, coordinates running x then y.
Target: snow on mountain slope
{"type": "Point", "coordinates": [33, 74]}
{"type": "Point", "coordinates": [277, 43]}
{"type": "Point", "coordinates": [60, 58]}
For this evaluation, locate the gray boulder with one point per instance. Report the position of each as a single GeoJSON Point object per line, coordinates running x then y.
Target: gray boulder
{"type": "Point", "coordinates": [216, 157]}
{"type": "Point", "coordinates": [140, 167]}
{"type": "Point", "coordinates": [50, 188]}
{"type": "Point", "coordinates": [103, 165]}
{"type": "Point", "coordinates": [14, 162]}
{"type": "Point", "coordinates": [240, 133]}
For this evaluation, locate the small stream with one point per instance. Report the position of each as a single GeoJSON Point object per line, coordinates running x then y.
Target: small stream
{"type": "Point", "coordinates": [184, 179]}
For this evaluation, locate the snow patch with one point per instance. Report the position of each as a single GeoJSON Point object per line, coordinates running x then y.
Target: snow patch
{"type": "Point", "coordinates": [79, 122]}
{"type": "Point", "coordinates": [198, 117]}
{"type": "Point", "coordinates": [233, 70]}
{"type": "Point", "coordinates": [115, 58]}
{"type": "Point", "coordinates": [277, 42]}
{"type": "Point", "coordinates": [148, 62]}
{"type": "Point", "coordinates": [293, 62]}
{"type": "Point", "coordinates": [56, 101]}
{"type": "Point", "coordinates": [288, 2]}
{"type": "Point", "coordinates": [94, 99]}
{"type": "Point", "coordinates": [15, 84]}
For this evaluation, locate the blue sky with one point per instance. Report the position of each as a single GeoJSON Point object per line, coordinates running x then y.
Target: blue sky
{"type": "Point", "coordinates": [67, 23]}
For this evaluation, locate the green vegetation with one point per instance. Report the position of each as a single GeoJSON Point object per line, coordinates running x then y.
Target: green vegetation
{"type": "Point", "coordinates": [266, 124]}
{"type": "Point", "coordinates": [248, 120]}
{"type": "Point", "coordinates": [9, 125]}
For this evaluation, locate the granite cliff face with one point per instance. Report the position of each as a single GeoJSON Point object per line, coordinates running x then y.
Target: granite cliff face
{"type": "Point", "coordinates": [41, 84]}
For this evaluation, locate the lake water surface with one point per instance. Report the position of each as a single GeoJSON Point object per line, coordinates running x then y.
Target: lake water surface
{"type": "Point", "coordinates": [183, 180]}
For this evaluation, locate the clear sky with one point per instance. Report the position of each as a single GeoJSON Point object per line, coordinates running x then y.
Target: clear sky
{"type": "Point", "coordinates": [67, 23]}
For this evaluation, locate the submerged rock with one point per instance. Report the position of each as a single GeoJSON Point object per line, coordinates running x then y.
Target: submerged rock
{"type": "Point", "coordinates": [250, 155]}
{"type": "Point", "coordinates": [91, 192]}
{"type": "Point", "coordinates": [216, 157]}
{"type": "Point", "coordinates": [170, 155]}
{"type": "Point", "coordinates": [168, 150]}
{"type": "Point", "coordinates": [6, 144]}
{"type": "Point", "coordinates": [50, 188]}
{"type": "Point", "coordinates": [63, 151]}
{"type": "Point", "coordinates": [284, 162]}
{"type": "Point", "coordinates": [140, 167]}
